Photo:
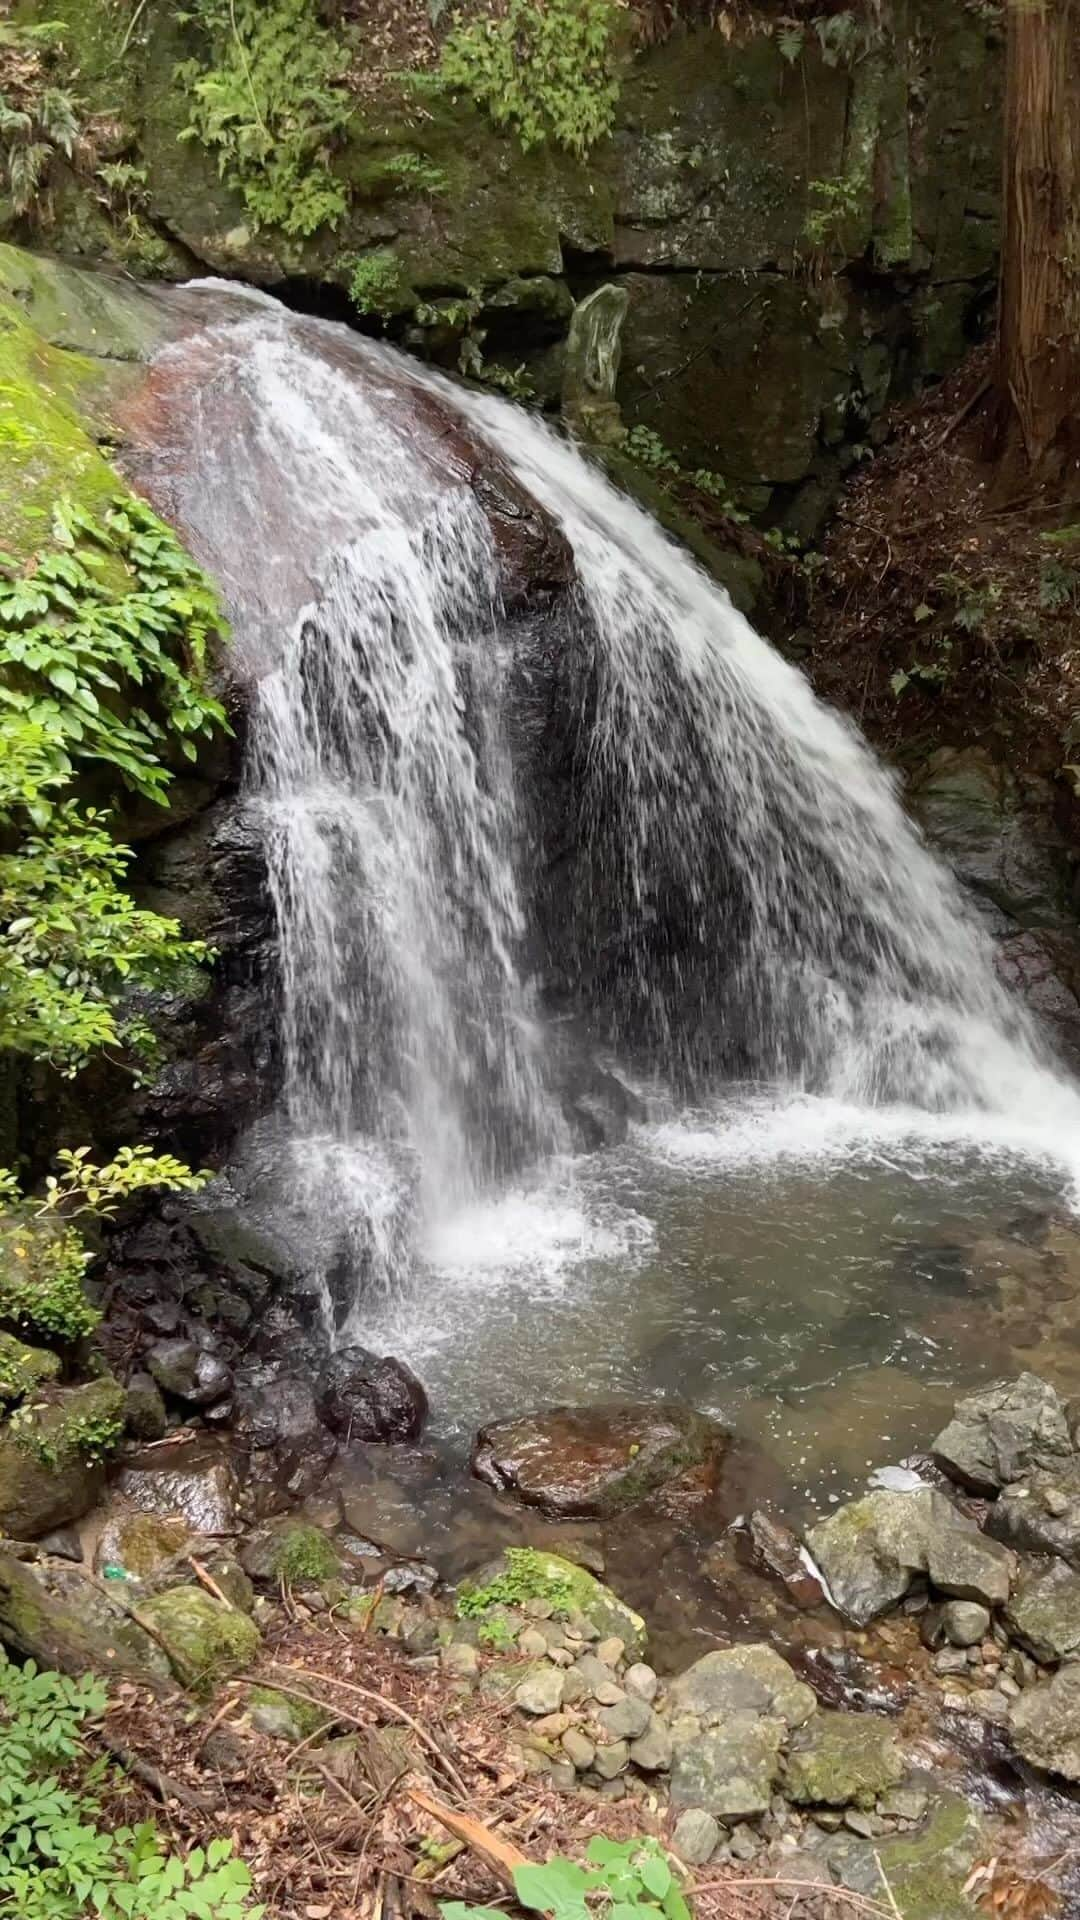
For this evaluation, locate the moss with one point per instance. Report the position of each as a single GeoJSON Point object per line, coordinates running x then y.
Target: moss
{"type": "Point", "coordinates": [282, 1715]}
{"type": "Point", "coordinates": [521, 1574]}
{"type": "Point", "coordinates": [304, 1556]}
{"type": "Point", "coordinates": [206, 1644]}
{"type": "Point", "coordinates": [23, 1368]}
{"type": "Point", "coordinates": [83, 1423]}
{"type": "Point", "coordinates": [843, 1759]}
{"type": "Point", "coordinates": [378, 283]}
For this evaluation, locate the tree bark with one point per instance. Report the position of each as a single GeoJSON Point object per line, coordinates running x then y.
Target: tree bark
{"type": "Point", "coordinates": [1038, 360]}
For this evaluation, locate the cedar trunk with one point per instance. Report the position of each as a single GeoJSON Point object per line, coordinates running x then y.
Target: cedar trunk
{"type": "Point", "coordinates": [1038, 364]}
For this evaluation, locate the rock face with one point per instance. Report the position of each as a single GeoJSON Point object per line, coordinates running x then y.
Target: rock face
{"type": "Point", "coordinates": [592, 1461]}
{"type": "Point", "coordinates": [1001, 1433]}
{"type": "Point", "coordinates": [1045, 1724]}
{"type": "Point", "coordinates": [871, 1550]}
{"type": "Point", "coordinates": [364, 1398]}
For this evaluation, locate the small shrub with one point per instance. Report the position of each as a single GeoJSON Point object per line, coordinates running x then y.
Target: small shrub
{"type": "Point", "coordinates": [37, 120]}
{"type": "Point", "coordinates": [378, 285]}
{"type": "Point", "coordinates": [545, 71]}
{"type": "Point", "coordinates": [629, 1877]}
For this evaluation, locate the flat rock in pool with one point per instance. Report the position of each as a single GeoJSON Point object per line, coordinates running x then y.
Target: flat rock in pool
{"type": "Point", "coordinates": [594, 1461]}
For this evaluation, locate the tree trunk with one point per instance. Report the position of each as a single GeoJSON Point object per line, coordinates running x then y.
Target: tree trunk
{"type": "Point", "coordinates": [1038, 362]}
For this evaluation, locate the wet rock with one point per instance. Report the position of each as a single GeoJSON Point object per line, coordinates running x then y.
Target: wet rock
{"type": "Point", "coordinates": [1044, 1613]}
{"type": "Point", "coordinates": [729, 1769]}
{"type": "Point", "coordinates": [779, 1552]}
{"type": "Point", "coordinates": [278, 1412]}
{"type": "Point", "coordinates": [1045, 1723]}
{"type": "Point", "coordinates": [140, 1543]}
{"type": "Point", "coordinates": [964, 1622]}
{"type": "Point", "coordinates": [205, 1642]}
{"type": "Point", "coordinates": [871, 1550]}
{"type": "Point", "coordinates": [1043, 1514]}
{"type": "Point", "coordinates": [1001, 1433]}
{"type": "Point", "coordinates": [199, 1483]}
{"type": "Point", "coordinates": [734, 1680]}
{"type": "Point", "coordinates": [696, 1837]}
{"type": "Point", "coordinates": [144, 1409]}
{"type": "Point", "coordinates": [188, 1372]}
{"type": "Point", "coordinates": [926, 1870]}
{"type": "Point", "coordinates": [841, 1760]}
{"type": "Point", "coordinates": [364, 1398]}
{"type": "Point", "coordinates": [593, 1461]}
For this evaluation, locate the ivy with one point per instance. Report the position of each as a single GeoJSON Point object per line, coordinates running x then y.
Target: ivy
{"type": "Point", "coordinates": [57, 1861]}
{"type": "Point", "coordinates": [546, 72]}
{"type": "Point", "coordinates": [271, 105]}
{"type": "Point", "coordinates": [103, 645]}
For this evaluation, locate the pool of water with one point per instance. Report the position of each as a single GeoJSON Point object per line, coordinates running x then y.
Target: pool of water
{"type": "Point", "coordinates": [822, 1279]}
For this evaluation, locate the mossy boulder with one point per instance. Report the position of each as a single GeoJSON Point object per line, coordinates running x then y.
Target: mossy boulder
{"type": "Point", "coordinates": [284, 1718]}
{"type": "Point", "coordinates": [206, 1642]}
{"type": "Point", "coordinates": [843, 1760]}
{"type": "Point", "coordinates": [291, 1551]}
{"type": "Point", "coordinates": [522, 1574]}
{"type": "Point", "coordinates": [141, 1543]}
{"type": "Point", "coordinates": [50, 1457]}
{"type": "Point", "coordinates": [925, 1871]}
{"type": "Point", "coordinates": [60, 1619]}
{"type": "Point", "coordinates": [23, 1368]}
{"type": "Point", "coordinates": [595, 1461]}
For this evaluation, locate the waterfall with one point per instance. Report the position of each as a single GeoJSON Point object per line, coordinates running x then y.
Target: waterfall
{"type": "Point", "coordinates": [737, 893]}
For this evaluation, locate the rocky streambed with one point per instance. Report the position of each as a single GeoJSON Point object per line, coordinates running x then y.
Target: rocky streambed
{"type": "Point", "coordinates": [893, 1702]}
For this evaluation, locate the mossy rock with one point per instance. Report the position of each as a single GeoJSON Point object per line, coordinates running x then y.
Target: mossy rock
{"type": "Point", "coordinates": [521, 1574]}
{"type": "Point", "coordinates": [292, 1551]}
{"type": "Point", "coordinates": [284, 1718]}
{"type": "Point", "coordinates": [142, 1543]}
{"type": "Point", "coordinates": [23, 1368]}
{"type": "Point", "coordinates": [205, 1642]}
{"type": "Point", "coordinates": [843, 1760]}
{"type": "Point", "coordinates": [60, 1619]}
{"type": "Point", "coordinates": [50, 1472]}
{"type": "Point", "coordinates": [926, 1871]}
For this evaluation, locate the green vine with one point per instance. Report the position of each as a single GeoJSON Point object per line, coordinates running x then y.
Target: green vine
{"type": "Point", "coordinates": [117, 615]}
{"type": "Point", "coordinates": [270, 104]}
{"type": "Point", "coordinates": [545, 71]}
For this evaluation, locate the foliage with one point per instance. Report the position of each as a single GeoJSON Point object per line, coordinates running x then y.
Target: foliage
{"type": "Point", "coordinates": [41, 1274]}
{"type": "Point", "coordinates": [23, 1368]}
{"type": "Point", "coordinates": [305, 1556]}
{"type": "Point", "coordinates": [1059, 585]}
{"type": "Point", "coordinates": [56, 1861]}
{"type": "Point", "coordinates": [546, 72]}
{"type": "Point", "coordinates": [632, 1877]}
{"type": "Point", "coordinates": [647, 448]}
{"type": "Point", "coordinates": [271, 105]}
{"type": "Point", "coordinates": [76, 653]}
{"type": "Point", "coordinates": [496, 1633]}
{"type": "Point", "coordinates": [377, 284]}
{"type": "Point", "coordinates": [90, 1427]}
{"type": "Point", "coordinates": [37, 119]}
{"type": "Point", "coordinates": [832, 204]}
{"type": "Point", "coordinates": [528, 1576]}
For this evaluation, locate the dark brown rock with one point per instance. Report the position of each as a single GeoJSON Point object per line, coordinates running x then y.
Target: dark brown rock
{"type": "Point", "coordinates": [592, 1461]}
{"type": "Point", "coordinates": [364, 1398]}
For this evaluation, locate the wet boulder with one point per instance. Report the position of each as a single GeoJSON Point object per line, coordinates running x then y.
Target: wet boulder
{"type": "Point", "coordinates": [1041, 1514]}
{"type": "Point", "coordinates": [843, 1760]}
{"type": "Point", "coordinates": [1044, 1613]}
{"type": "Point", "coordinates": [1045, 1724]}
{"type": "Point", "coordinates": [196, 1481]}
{"type": "Point", "coordinates": [188, 1372]}
{"type": "Point", "coordinates": [871, 1550]}
{"type": "Point", "coordinates": [999, 1434]}
{"type": "Point", "coordinates": [590, 1462]}
{"type": "Point", "coordinates": [144, 1409]}
{"type": "Point", "coordinates": [364, 1398]}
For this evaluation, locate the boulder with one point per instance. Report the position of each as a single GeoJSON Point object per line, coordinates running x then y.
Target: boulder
{"type": "Point", "coordinates": [206, 1643]}
{"type": "Point", "coordinates": [140, 1543]}
{"type": "Point", "coordinates": [1045, 1724]}
{"type": "Point", "coordinates": [523, 1574]}
{"type": "Point", "coordinates": [50, 1467]}
{"type": "Point", "coordinates": [198, 1483]}
{"type": "Point", "coordinates": [843, 1760]}
{"type": "Point", "coordinates": [1042, 1515]}
{"type": "Point", "coordinates": [188, 1372]}
{"type": "Point", "coordinates": [1001, 1433]}
{"type": "Point", "coordinates": [59, 1618]}
{"type": "Point", "coordinates": [1044, 1613]}
{"type": "Point", "coordinates": [23, 1368]}
{"type": "Point", "coordinates": [144, 1409]}
{"type": "Point", "coordinates": [593, 1461]}
{"type": "Point", "coordinates": [871, 1550]}
{"type": "Point", "coordinates": [926, 1871]}
{"type": "Point", "coordinates": [750, 1679]}
{"type": "Point", "coordinates": [290, 1550]}
{"type": "Point", "coordinates": [364, 1398]}
{"type": "Point", "coordinates": [729, 1770]}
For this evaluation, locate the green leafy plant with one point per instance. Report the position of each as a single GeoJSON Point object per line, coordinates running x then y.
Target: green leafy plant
{"type": "Point", "coordinates": [648, 450]}
{"type": "Point", "coordinates": [545, 71]}
{"type": "Point", "coordinates": [37, 119]}
{"type": "Point", "coordinates": [103, 645]}
{"type": "Point", "coordinates": [527, 1577]}
{"type": "Point", "coordinates": [270, 104]}
{"type": "Point", "coordinates": [57, 1862]}
{"type": "Point", "coordinates": [1059, 585]}
{"type": "Point", "coordinates": [832, 204]}
{"type": "Point", "coordinates": [632, 1878]}
{"type": "Point", "coordinates": [377, 283]}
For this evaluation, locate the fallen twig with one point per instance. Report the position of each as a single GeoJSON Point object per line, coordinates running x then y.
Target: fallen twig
{"type": "Point", "coordinates": [390, 1707]}
{"type": "Point", "coordinates": [500, 1855]}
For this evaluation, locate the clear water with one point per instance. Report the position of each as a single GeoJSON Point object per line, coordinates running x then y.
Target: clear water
{"type": "Point", "coordinates": [838, 1076]}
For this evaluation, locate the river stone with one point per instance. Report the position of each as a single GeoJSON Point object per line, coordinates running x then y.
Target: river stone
{"type": "Point", "coordinates": [736, 1680]}
{"type": "Point", "coordinates": [641, 1680]}
{"type": "Point", "coordinates": [729, 1769]}
{"type": "Point", "coordinates": [361, 1397]}
{"type": "Point", "coordinates": [841, 1760]}
{"type": "Point", "coordinates": [871, 1550]}
{"type": "Point", "coordinates": [1045, 1723]}
{"type": "Point", "coordinates": [964, 1622]}
{"type": "Point", "coordinates": [593, 1461]}
{"type": "Point", "coordinates": [206, 1643]}
{"type": "Point", "coordinates": [1043, 1514]}
{"type": "Point", "coordinates": [187, 1372]}
{"type": "Point", "coordinates": [520, 1573]}
{"type": "Point", "coordinates": [696, 1837]}
{"type": "Point", "coordinates": [1044, 1613]}
{"type": "Point", "coordinates": [1001, 1433]}
{"type": "Point", "coordinates": [627, 1720]}
{"type": "Point", "coordinates": [198, 1483]}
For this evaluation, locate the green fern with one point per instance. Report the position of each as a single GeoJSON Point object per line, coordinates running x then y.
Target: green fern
{"type": "Point", "coordinates": [546, 72]}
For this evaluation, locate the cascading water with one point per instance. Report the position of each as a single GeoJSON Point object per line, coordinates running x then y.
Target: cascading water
{"type": "Point", "coordinates": [736, 896]}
